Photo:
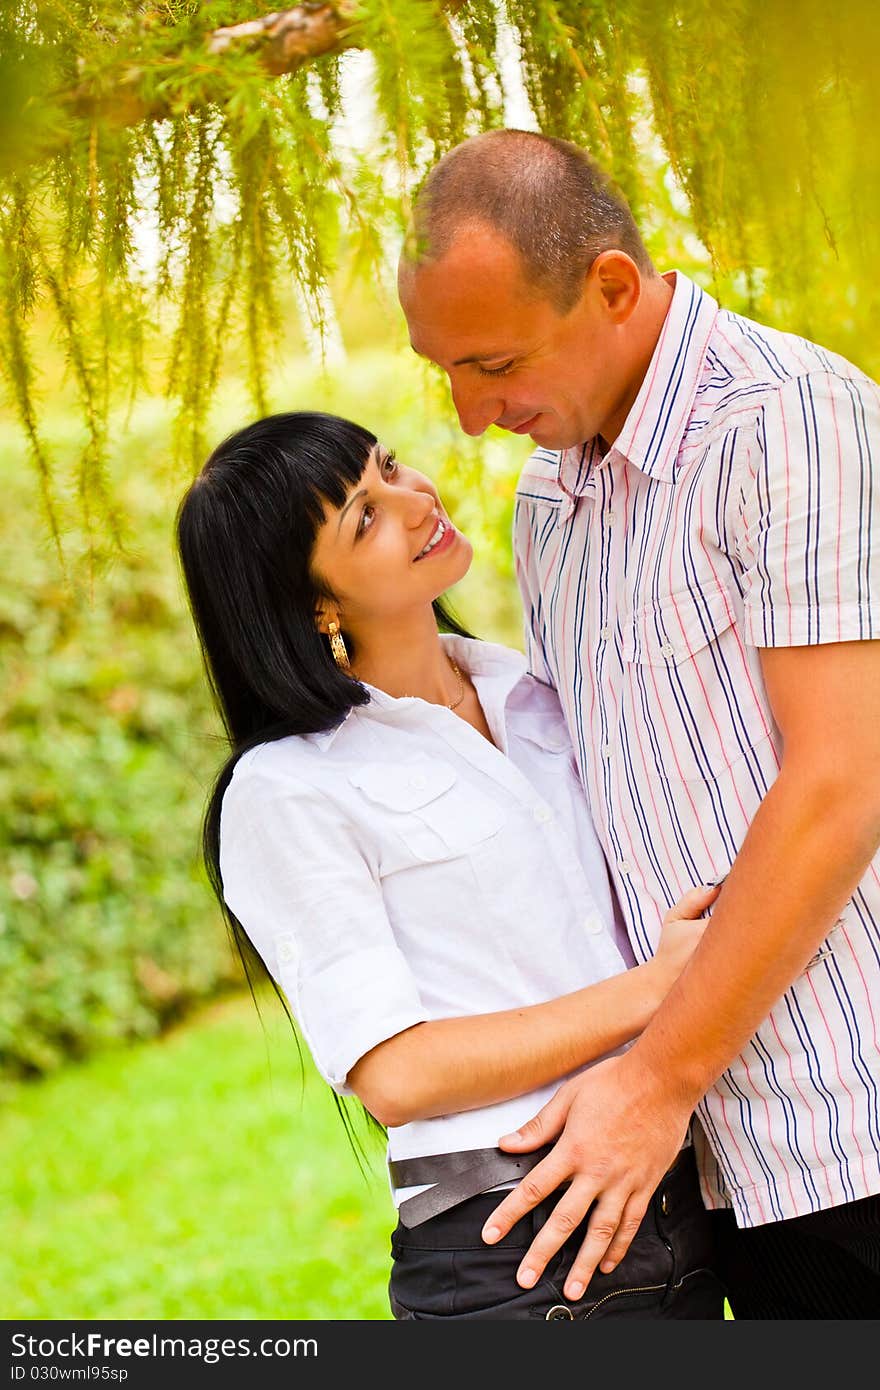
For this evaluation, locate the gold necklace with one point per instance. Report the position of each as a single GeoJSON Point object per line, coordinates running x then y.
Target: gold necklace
{"type": "Point", "coordinates": [454, 664]}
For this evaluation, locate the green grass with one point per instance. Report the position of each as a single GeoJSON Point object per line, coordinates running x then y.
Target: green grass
{"type": "Point", "coordinates": [197, 1176]}
{"type": "Point", "coordinates": [191, 1177]}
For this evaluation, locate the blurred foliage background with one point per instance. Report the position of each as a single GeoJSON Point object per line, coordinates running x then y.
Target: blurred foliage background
{"type": "Point", "coordinates": [169, 170]}
{"type": "Point", "coordinates": [200, 225]}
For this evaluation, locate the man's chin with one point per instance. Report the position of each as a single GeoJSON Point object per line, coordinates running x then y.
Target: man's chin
{"type": "Point", "coordinates": [549, 434]}
{"type": "Point", "coordinates": [552, 439]}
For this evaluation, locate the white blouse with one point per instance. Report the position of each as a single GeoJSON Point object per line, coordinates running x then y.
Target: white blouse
{"type": "Point", "coordinates": [400, 868]}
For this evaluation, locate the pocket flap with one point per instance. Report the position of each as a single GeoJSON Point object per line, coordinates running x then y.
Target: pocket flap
{"type": "Point", "coordinates": [676, 626]}
{"type": "Point", "coordinates": [403, 786]}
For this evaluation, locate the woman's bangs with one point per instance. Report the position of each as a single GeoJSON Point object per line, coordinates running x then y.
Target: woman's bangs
{"type": "Point", "coordinates": [335, 458]}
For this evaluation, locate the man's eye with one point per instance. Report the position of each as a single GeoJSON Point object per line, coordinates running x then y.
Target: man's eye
{"type": "Point", "coordinates": [367, 516]}
{"type": "Point", "coordinates": [495, 371]}
{"type": "Point", "coordinates": [390, 465]}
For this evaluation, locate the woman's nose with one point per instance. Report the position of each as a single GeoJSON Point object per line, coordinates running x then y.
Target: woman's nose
{"type": "Point", "coordinates": [420, 505]}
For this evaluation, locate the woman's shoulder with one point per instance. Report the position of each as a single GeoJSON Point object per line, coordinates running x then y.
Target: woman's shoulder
{"type": "Point", "coordinates": [290, 768]}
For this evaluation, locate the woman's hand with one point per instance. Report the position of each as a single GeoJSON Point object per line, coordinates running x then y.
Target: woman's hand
{"type": "Point", "coordinates": [683, 926]}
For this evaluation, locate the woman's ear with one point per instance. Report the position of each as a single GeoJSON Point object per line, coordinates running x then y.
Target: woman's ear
{"type": "Point", "coordinates": [324, 615]}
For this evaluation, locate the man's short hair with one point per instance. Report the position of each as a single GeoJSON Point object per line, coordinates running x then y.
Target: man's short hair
{"type": "Point", "coordinates": [547, 196]}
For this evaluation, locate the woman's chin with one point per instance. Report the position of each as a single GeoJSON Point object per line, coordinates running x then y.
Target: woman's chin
{"type": "Point", "coordinates": [460, 561]}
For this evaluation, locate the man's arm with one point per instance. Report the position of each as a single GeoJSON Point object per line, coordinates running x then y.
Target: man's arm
{"type": "Point", "coordinates": [809, 845]}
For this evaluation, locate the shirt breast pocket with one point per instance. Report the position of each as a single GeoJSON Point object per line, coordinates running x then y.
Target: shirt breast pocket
{"type": "Point", "coordinates": [693, 696]}
{"type": "Point", "coordinates": [427, 808]}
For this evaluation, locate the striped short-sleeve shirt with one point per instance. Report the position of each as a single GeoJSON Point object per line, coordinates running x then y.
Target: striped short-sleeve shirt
{"type": "Point", "coordinates": [738, 509]}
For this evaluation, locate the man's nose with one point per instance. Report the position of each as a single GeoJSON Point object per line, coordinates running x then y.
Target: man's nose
{"type": "Point", "coordinates": [477, 404]}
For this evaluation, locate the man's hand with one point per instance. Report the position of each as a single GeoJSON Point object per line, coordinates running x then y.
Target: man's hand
{"type": "Point", "coordinates": [617, 1139]}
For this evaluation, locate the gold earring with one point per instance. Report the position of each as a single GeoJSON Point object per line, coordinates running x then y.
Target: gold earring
{"type": "Point", "coordinates": [337, 646]}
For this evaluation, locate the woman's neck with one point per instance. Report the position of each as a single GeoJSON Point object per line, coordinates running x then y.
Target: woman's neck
{"type": "Point", "coordinates": [407, 660]}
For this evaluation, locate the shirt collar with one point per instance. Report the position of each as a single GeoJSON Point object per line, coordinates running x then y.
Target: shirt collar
{"type": "Point", "coordinates": [653, 429]}
{"type": "Point", "coordinates": [495, 671]}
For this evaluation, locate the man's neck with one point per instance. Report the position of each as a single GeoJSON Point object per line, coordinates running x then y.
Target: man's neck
{"type": "Point", "coordinates": [650, 317]}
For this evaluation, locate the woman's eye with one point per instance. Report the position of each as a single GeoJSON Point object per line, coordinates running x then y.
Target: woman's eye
{"type": "Point", "coordinates": [366, 520]}
{"type": "Point", "coordinates": [390, 465]}
{"type": "Point", "coordinates": [495, 371]}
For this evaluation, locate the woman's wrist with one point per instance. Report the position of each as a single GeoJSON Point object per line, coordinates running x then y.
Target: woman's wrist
{"type": "Point", "coordinates": [657, 980]}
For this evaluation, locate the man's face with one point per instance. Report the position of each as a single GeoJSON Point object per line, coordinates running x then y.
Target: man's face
{"type": "Point", "coordinates": [512, 359]}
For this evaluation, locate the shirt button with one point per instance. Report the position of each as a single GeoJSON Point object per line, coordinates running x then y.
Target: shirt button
{"type": "Point", "coordinates": [606, 750]}
{"type": "Point", "coordinates": [624, 866]}
{"type": "Point", "coordinates": [667, 649]}
{"type": "Point", "coordinates": [418, 782]}
{"type": "Point", "coordinates": [286, 951]}
{"type": "Point", "coordinates": [542, 814]}
{"type": "Point", "coordinates": [605, 633]}
{"type": "Point", "coordinates": [593, 925]}
{"type": "Point", "coordinates": [609, 515]}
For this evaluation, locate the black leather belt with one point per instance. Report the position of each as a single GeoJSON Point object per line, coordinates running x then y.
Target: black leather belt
{"type": "Point", "coordinates": [455, 1177]}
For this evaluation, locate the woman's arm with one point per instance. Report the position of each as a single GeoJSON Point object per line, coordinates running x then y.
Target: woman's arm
{"type": "Point", "coordinates": [452, 1064]}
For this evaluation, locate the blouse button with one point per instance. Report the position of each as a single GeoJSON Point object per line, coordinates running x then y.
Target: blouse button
{"type": "Point", "coordinates": [542, 814]}
{"type": "Point", "coordinates": [667, 649]}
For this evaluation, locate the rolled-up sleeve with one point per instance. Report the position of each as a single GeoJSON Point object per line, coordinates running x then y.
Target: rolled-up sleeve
{"type": "Point", "coordinates": [297, 877]}
{"type": "Point", "coordinates": [810, 514]}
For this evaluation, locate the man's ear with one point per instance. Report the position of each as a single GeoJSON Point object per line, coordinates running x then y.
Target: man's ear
{"type": "Point", "coordinates": [618, 280]}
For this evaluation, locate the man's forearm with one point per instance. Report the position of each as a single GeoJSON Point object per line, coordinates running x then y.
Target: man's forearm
{"type": "Point", "coordinates": [806, 851]}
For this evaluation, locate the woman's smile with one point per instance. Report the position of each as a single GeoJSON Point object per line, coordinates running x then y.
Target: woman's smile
{"type": "Point", "coordinates": [442, 537]}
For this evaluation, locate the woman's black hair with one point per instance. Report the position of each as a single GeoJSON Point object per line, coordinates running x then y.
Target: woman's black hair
{"type": "Point", "coordinates": [245, 529]}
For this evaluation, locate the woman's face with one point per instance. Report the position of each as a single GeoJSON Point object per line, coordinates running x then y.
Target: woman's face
{"type": "Point", "coordinates": [390, 550]}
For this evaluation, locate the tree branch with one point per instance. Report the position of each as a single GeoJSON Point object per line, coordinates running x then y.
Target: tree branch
{"type": "Point", "coordinates": [287, 38]}
{"type": "Point", "coordinates": [283, 41]}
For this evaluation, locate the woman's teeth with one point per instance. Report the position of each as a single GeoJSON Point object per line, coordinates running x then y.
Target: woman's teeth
{"type": "Point", "coordinates": [437, 536]}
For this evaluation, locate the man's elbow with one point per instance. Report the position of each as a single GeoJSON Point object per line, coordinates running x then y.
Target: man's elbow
{"type": "Point", "coordinates": [839, 793]}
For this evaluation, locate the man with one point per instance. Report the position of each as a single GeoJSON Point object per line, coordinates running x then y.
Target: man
{"type": "Point", "coordinates": [693, 540]}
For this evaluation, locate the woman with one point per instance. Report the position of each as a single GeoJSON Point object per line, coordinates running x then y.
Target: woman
{"type": "Point", "coordinates": [401, 836]}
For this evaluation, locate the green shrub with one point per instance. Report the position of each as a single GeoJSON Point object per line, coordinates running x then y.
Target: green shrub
{"type": "Point", "coordinates": [106, 746]}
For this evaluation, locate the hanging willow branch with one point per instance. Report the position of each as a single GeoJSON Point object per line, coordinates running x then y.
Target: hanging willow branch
{"type": "Point", "coordinates": [216, 126]}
